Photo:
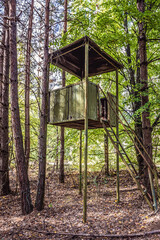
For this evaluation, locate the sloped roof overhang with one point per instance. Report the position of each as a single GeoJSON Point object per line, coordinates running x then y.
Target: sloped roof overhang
{"type": "Point", "coordinates": [71, 58]}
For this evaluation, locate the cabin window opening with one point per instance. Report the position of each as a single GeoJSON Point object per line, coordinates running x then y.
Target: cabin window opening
{"type": "Point", "coordinates": [104, 108]}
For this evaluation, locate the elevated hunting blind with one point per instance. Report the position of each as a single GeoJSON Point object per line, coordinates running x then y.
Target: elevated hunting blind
{"type": "Point", "coordinates": [79, 105]}
{"type": "Point", "coordinates": [67, 104]}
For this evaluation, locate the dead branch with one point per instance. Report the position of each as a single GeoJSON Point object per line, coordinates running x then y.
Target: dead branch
{"type": "Point", "coordinates": [141, 234]}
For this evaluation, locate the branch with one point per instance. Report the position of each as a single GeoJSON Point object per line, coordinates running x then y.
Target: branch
{"type": "Point", "coordinates": [11, 18]}
{"type": "Point", "coordinates": [96, 235]}
{"type": "Point", "coordinates": [153, 39]}
{"type": "Point", "coordinates": [156, 122]}
{"type": "Point", "coordinates": [153, 60]}
{"type": "Point", "coordinates": [8, 18]}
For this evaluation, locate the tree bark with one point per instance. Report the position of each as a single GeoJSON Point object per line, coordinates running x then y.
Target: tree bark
{"type": "Point", "coordinates": [1, 80]}
{"type": "Point", "coordinates": [138, 124]}
{"type": "Point", "coordinates": [146, 126]}
{"type": "Point", "coordinates": [43, 119]}
{"type": "Point", "coordinates": [106, 154]}
{"type": "Point", "coordinates": [26, 203]}
{"type": "Point", "coordinates": [61, 170]}
{"type": "Point", "coordinates": [5, 105]}
{"type": "Point", "coordinates": [27, 88]}
{"type": "Point", "coordinates": [57, 150]}
{"type": "Point", "coordinates": [137, 103]}
{"type": "Point", "coordinates": [61, 165]}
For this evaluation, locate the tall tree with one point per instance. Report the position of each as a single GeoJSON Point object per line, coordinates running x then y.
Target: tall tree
{"type": "Point", "coordinates": [106, 154]}
{"type": "Point", "coordinates": [43, 118]}
{"type": "Point", "coordinates": [26, 203]}
{"type": "Point", "coordinates": [1, 80]}
{"type": "Point", "coordinates": [146, 125]}
{"type": "Point", "coordinates": [5, 106]}
{"type": "Point", "coordinates": [61, 169]}
{"type": "Point", "coordinates": [27, 87]}
{"type": "Point", "coordinates": [134, 77]}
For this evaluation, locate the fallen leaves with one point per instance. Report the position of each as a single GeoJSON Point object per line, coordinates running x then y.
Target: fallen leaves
{"type": "Point", "coordinates": [63, 210]}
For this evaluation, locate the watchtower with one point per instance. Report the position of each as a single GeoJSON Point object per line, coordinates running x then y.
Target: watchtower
{"type": "Point", "coordinates": [67, 104]}
{"type": "Point", "coordinates": [79, 105]}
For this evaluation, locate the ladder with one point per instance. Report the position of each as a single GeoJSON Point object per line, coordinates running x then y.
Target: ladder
{"type": "Point", "coordinates": [151, 200]}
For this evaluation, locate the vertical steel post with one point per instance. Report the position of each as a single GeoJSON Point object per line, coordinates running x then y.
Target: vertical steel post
{"type": "Point", "coordinates": [117, 133]}
{"type": "Point", "coordinates": [85, 134]}
{"type": "Point", "coordinates": [80, 163]}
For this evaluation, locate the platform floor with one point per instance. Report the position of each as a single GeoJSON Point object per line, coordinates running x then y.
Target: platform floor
{"type": "Point", "coordinates": [79, 124]}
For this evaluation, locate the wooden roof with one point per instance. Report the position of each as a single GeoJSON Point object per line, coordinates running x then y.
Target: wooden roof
{"type": "Point", "coordinates": [71, 58]}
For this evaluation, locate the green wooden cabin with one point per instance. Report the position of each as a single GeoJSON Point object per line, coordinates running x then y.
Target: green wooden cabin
{"type": "Point", "coordinates": [67, 106]}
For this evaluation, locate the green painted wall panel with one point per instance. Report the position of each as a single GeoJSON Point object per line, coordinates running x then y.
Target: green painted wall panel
{"type": "Point", "coordinates": [112, 110]}
{"type": "Point", "coordinates": [93, 101]}
{"type": "Point", "coordinates": [68, 103]}
{"type": "Point", "coordinates": [58, 105]}
{"type": "Point", "coordinates": [76, 101]}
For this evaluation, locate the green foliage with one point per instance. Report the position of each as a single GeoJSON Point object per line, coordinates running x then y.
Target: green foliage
{"type": "Point", "coordinates": [103, 21]}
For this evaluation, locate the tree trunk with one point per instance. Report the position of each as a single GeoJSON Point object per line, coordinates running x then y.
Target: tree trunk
{"type": "Point", "coordinates": [5, 105]}
{"type": "Point", "coordinates": [43, 119]}
{"type": "Point", "coordinates": [26, 203]}
{"type": "Point", "coordinates": [137, 103]}
{"type": "Point", "coordinates": [146, 126]}
{"type": "Point", "coordinates": [106, 154]}
{"type": "Point", "coordinates": [27, 88]}
{"type": "Point", "coordinates": [61, 169]}
{"type": "Point", "coordinates": [138, 124]}
{"type": "Point", "coordinates": [1, 80]}
{"type": "Point", "coordinates": [57, 150]}
{"type": "Point", "coordinates": [61, 165]}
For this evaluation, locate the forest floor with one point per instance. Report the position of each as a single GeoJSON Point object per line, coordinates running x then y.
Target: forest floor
{"type": "Point", "coordinates": [63, 211]}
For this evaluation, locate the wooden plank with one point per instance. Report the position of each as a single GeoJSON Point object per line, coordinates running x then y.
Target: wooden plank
{"type": "Point", "coordinates": [92, 101]}
{"type": "Point", "coordinates": [111, 109]}
{"type": "Point", "coordinates": [59, 102]}
{"type": "Point", "coordinates": [76, 101]}
{"type": "Point", "coordinates": [51, 119]}
{"type": "Point", "coordinates": [68, 103]}
{"type": "Point", "coordinates": [79, 124]}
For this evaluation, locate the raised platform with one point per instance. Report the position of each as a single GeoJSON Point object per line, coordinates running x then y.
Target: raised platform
{"type": "Point", "coordinates": [79, 124]}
